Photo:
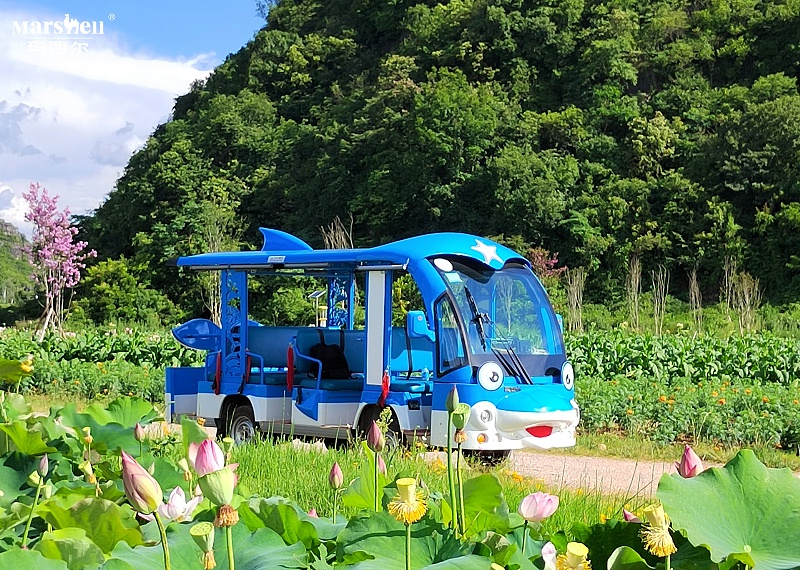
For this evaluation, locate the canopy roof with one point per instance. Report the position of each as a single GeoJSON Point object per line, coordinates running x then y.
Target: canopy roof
{"type": "Point", "coordinates": [282, 250]}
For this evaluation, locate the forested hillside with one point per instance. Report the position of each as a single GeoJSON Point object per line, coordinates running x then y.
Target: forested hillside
{"type": "Point", "coordinates": [598, 129]}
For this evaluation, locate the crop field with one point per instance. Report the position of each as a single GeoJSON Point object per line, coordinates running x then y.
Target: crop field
{"type": "Point", "coordinates": [742, 390]}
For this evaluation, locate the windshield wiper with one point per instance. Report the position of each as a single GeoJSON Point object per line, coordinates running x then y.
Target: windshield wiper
{"type": "Point", "coordinates": [515, 366]}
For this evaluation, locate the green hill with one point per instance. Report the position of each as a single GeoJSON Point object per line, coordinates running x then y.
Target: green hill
{"type": "Point", "coordinates": [597, 129]}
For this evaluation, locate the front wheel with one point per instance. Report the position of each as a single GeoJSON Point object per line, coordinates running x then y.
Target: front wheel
{"type": "Point", "coordinates": [242, 425]}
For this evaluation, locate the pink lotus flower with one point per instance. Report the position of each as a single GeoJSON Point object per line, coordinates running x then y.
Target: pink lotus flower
{"type": "Point", "coordinates": [375, 439]}
{"type": "Point", "coordinates": [630, 517]}
{"type": "Point", "coordinates": [206, 457]}
{"type": "Point", "coordinates": [690, 463]}
{"type": "Point", "coordinates": [176, 508]}
{"type": "Point", "coordinates": [538, 506]}
{"type": "Point", "coordinates": [336, 477]}
{"type": "Point", "coordinates": [142, 490]}
{"type": "Point", "coordinates": [381, 465]}
{"type": "Point", "coordinates": [313, 513]}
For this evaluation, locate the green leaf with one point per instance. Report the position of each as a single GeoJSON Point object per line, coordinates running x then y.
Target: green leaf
{"type": "Point", "coordinates": [72, 546]}
{"type": "Point", "coordinates": [279, 515]}
{"type": "Point", "coordinates": [252, 551]}
{"type": "Point", "coordinates": [26, 440]}
{"type": "Point", "coordinates": [17, 558]}
{"type": "Point", "coordinates": [14, 407]}
{"type": "Point", "coordinates": [380, 536]}
{"type": "Point", "coordinates": [603, 539]}
{"type": "Point", "coordinates": [105, 523]}
{"type": "Point", "coordinates": [191, 432]}
{"type": "Point", "coordinates": [626, 558]}
{"type": "Point", "coordinates": [128, 412]}
{"type": "Point", "coordinates": [360, 494]}
{"type": "Point", "coordinates": [743, 511]}
{"type": "Point", "coordinates": [484, 506]}
{"type": "Point", "coordinates": [12, 371]}
{"type": "Point", "coordinates": [107, 435]}
{"type": "Point", "coordinates": [10, 482]}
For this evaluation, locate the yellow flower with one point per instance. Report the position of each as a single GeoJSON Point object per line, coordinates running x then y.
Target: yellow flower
{"type": "Point", "coordinates": [409, 504]}
{"type": "Point", "coordinates": [629, 412]}
{"type": "Point", "coordinates": [575, 558]}
{"type": "Point", "coordinates": [655, 532]}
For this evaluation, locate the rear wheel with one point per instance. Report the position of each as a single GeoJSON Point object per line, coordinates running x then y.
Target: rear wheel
{"type": "Point", "coordinates": [242, 427]}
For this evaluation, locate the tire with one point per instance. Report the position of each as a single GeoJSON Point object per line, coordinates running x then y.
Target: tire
{"type": "Point", "coordinates": [242, 426]}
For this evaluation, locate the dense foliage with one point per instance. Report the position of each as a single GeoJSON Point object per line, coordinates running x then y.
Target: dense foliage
{"type": "Point", "coordinates": [735, 391]}
{"type": "Point", "coordinates": [79, 488]}
{"type": "Point", "coordinates": [597, 129]}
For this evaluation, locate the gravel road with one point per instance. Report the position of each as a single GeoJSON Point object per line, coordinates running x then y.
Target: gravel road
{"type": "Point", "coordinates": [624, 476]}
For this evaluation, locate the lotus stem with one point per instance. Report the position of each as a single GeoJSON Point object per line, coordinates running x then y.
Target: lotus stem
{"type": "Point", "coordinates": [524, 536]}
{"type": "Point", "coordinates": [461, 519]}
{"type": "Point", "coordinates": [164, 544]}
{"type": "Point", "coordinates": [667, 562]}
{"type": "Point", "coordinates": [375, 480]}
{"type": "Point", "coordinates": [450, 479]}
{"type": "Point", "coordinates": [408, 546]}
{"type": "Point", "coordinates": [335, 501]}
{"type": "Point", "coordinates": [229, 540]}
{"type": "Point", "coordinates": [30, 515]}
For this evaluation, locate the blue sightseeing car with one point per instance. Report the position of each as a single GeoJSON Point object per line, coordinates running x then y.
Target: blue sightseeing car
{"type": "Point", "coordinates": [484, 325]}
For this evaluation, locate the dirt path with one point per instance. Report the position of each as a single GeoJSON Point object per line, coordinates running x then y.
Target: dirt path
{"type": "Point", "coordinates": [626, 476]}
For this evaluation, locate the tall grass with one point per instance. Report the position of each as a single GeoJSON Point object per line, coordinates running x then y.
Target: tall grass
{"type": "Point", "coordinates": [275, 467]}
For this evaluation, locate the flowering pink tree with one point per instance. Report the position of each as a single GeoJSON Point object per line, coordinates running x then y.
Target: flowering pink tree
{"type": "Point", "coordinates": [56, 258]}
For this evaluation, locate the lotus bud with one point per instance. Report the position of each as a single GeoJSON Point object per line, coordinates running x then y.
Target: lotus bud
{"type": "Point", "coordinates": [206, 457]}
{"type": "Point", "coordinates": [142, 490]}
{"type": "Point", "coordinates": [549, 556]}
{"type": "Point", "coordinates": [184, 467]}
{"type": "Point", "coordinates": [47, 491]}
{"type": "Point", "coordinates": [451, 401]}
{"type": "Point", "coordinates": [381, 465]}
{"type": "Point", "coordinates": [630, 517]}
{"type": "Point", "coordinates": [538, 506]}
{"type": "Point", "coordinates": [313, 513]}
{"type": "Point", "coordinates": [461, 415]}
{"type": "Point", "coordinates": [138, 432]}
{"type": "Point", "coordinates": [375, 438]}
{"type": "Point", "coordinates": [690, 463]}
{"type": "Point", "coordinates": [203, 535]}
{"type": "Point", "coordinates": [218, 486]}
{"type": "Point", "coordinates": [336, 477]}
{"type": "Point", "coordinates": [44, 465]}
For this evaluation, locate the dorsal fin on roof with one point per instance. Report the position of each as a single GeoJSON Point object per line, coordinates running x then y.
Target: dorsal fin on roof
{"type": "Point", "coordinates": [276, 240]}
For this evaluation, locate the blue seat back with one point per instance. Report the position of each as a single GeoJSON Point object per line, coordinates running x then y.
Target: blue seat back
{"type": "Point", "coordinates": [421, 352]}
{"type": "Point", "coordinates": [271, 343]}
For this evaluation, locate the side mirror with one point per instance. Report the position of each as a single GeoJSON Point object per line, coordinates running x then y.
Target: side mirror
{"type": "Point", "coordinates": [417, 326]}
{"type": "Point", "coordinates": [560, 320]}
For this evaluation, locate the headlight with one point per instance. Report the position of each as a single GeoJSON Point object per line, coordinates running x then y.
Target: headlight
{"type": "Point", "coordinates": [490, 376]}
{"type": "Point", "coordinates": [485, 416]}
{"type": "Point", "coordinates": [567, 376]}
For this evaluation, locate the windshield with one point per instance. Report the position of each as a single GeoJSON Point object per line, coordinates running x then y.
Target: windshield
{"type": "Point", "coordinates": [502, 310]}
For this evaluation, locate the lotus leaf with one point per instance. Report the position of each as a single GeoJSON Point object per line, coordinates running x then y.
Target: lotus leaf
{"type": "Point", "coordinates": [743, 511]}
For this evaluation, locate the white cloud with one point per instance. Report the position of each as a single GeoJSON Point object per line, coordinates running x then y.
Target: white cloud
{"type": "Point", "coordinates": [70, 119]}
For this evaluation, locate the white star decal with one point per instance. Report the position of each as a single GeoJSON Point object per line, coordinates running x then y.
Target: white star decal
{"type": "Point", "coordinates": [489, 252]}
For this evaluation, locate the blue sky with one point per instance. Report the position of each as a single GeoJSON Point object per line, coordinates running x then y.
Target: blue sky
{"type": "Point", "coordinates": [76, 103]}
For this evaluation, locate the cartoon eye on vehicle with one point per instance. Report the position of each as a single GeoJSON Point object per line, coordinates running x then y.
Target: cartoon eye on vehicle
{"type": "Point", "coordinates": [490, 376]}
{"type": "Point", "coordinates": [567, 376]}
